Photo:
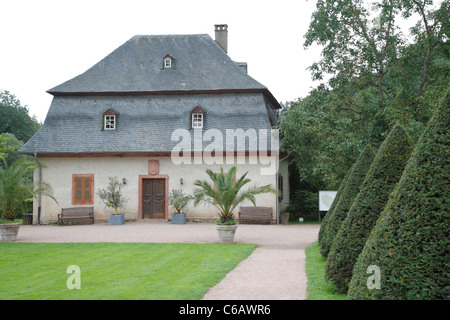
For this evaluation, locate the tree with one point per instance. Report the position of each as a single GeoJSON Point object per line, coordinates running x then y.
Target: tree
{"type": "Point", "coordinates": [226, 192]}
{"type": "Point", "coordinates": [179, 200]}
{"type": "Point", "coordinates": [15, 118]}
{"type": "Point", "coordinates": [351, 189]}
{"type": "Point", "coordinates": [322, 143]}
{"type": "Point", "coordinates": [112, 196]}
{"type": "Point", "coordinates": [12, 144]}
{"type": "Point", "coordinates": [384, 172]}
{"type": "Point", "coordinates": [409, 243]}
{"type": "Point", "coordinates": [377, 76]}
{"type": "Point", "coordinates": [15, 189]}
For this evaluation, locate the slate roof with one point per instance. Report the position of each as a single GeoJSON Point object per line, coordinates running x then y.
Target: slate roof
{"type": "Point", "coordinates": [137, 66]}
{"type": "Point", "coordinates": [152, 102]}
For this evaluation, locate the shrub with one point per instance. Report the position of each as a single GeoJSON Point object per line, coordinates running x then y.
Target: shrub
{"type": "Point", "coordinates": [384, 172]}
{"type": "Point", "coordinates": [112, 196]}
{"type": "Point", "coordinates": [409, 243]}
{"type": "Point", "coordinates": [304, 204]}
{"type": "Point", "coordinates": [349, 192]}
{"type": "Point", "coordinates": [179, 200]}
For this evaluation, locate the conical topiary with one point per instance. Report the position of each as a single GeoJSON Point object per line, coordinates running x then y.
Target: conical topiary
{"type": "Point", "coordinates": [385, 171]}
{"type": "Point", "coordinates": [407, 253]}
{"type": "Point", "coordinates": [351, 189]}
{"type": "Point", "coordinates": [333, 205]}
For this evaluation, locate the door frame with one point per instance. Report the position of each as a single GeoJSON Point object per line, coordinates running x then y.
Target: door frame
{"type": "Point", "coordinates": [166, 196]}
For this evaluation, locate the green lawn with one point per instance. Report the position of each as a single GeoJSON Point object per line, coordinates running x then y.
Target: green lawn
{"type": "Point", "coordinates": [318, 288]}
{"type": "Point", "coordinates": [115, 270]}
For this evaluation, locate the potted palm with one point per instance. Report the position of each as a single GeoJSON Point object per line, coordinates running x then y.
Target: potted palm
{"type": "Point", "coordinates": [112, 197]}
{"type": "Point", "coordinates": [15, 190]}
{"type": "Point", "coordinates": [179, 200]}
{"type": "Point", "coordinates": [226, 193]}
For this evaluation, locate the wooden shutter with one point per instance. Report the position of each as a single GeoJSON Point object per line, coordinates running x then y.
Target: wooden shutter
{"type": "Point", "coordinates": [82, 189]}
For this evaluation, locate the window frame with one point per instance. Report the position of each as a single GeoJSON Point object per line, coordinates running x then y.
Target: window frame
{"type": "Point", "coordinates": [107, 122]}
{"type": "Point", "coordinates": [197, 121]}
{"type": "Point", "coordinates": [82, 189]}
{"type": "Point", "coordinates": [168, 65]}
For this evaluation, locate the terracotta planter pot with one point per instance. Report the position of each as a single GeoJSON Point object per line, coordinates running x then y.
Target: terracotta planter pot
{"type": "Point", "coordinates": [226, 233]}
{"type": "Point", "coordinates": [9, 231]}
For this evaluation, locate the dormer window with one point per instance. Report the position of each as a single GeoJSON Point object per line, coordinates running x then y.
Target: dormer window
{"type": "Point", "coordinates": [167, 62]}
{"type": "Point", "coordinates": [109, 120]}
{"type": "Point", "coordinates": [197, 118]}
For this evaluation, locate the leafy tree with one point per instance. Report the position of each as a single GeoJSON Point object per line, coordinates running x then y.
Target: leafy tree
{"type": "Point", "coordinates": [179, 200]}
{"type": "Point", "coordinates": [377, 76]}
{"type": "Point", "coordinates": [112, 196]}
{"type": "Point", "coordinates": [384, 173]}
{"type": "Point", "coordinates": [11, 145]}
{"type": "Point", "coordinates": [409, 243]}
{"type": "Point", "coordinates": [15, 118]}
{"type": "Point", "coordinates": [349, 192]}
{"type": "Point", "coordinates": [226, 192]}
{"type": "Point", "coordinates": [322, 143]}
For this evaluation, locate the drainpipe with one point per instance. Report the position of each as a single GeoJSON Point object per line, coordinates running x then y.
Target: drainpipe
{"type": "Point", "coordinates": [40, 185]}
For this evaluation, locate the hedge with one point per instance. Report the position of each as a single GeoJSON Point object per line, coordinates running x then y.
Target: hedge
{"type": "Point", "coordinates": [384, 172]}
{"type": "Point", "coordinates": [356, 177]}
{"type": "Point", "coordinates": [410, 241]}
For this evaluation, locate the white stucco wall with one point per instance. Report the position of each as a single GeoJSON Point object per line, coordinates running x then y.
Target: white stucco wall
{"type": "Point", "coordinates": [58, 173]}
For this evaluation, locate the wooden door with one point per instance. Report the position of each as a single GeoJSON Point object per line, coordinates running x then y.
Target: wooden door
{"type": "Point", "coordinates": [153, 198]}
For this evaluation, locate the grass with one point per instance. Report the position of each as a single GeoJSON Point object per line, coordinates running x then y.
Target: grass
{"type": "Point", "coordinates": [110, 271]}
{"type": "Point", "coordinates": [318, 288]}
{"type": "Point", "coordinates": [3, 220]}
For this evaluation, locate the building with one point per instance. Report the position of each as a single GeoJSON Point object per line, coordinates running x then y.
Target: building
{"type": "Point", "coordinates": [156, 113]}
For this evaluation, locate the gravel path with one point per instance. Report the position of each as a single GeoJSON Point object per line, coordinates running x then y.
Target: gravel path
{"type": "Point", "coordinates": [274, 271]}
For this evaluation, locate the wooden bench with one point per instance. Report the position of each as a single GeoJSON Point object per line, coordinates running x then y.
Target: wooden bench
{"type": "Point", "coordinates": [79, 213]}
{"type": "Point", "coordinates": [255, 214]}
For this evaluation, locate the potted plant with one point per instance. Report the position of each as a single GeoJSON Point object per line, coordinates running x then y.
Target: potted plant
{"type": "Point", "coordinates": [112, 197]}
{"type": "Point", "coordinates": [15, 190]}
{"type": "Point", "coordinates": [178, 200]}
{"type": "Point", "coordinates": [226, 193]}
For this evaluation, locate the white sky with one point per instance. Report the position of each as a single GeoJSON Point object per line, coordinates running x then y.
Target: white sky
{"type": "Point", "coordinates": [47, 42]}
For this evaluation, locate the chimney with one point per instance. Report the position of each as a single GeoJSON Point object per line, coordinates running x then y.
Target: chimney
{"type": "Point", "coordinates": [222, 36]}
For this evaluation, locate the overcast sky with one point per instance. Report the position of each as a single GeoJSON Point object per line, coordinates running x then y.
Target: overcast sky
{"type": "Point", "coordinates": [47, 42]}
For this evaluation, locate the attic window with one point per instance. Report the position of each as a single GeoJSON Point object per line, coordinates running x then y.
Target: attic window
{"type": "Point", "coordinates": [109, 120]}
{"type": "Point", "coordinates": [167, 62]}
{"type": "Point", "coordinates": [197, 118]}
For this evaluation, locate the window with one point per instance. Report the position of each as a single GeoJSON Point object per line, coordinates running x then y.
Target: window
{"type": "Point", "coordinates": [109, 120]}
{"type": "Point", "coordinates": [82, 189]}
{"type": "Point", "coordinates": [197, 120]}
{"type": "Point", "coordinates": [167, 63]}
{"type": "Point", "coordinates": [110, 123]}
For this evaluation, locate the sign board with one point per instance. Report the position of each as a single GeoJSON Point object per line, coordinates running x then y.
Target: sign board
{"type": "Point", "coordinates": [326, 199]}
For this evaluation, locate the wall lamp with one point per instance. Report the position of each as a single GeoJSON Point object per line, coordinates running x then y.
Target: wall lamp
{"type": "Point", "coordinates": [124, 181]}
{"type": "Point", "coordinates": [181, 181]}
